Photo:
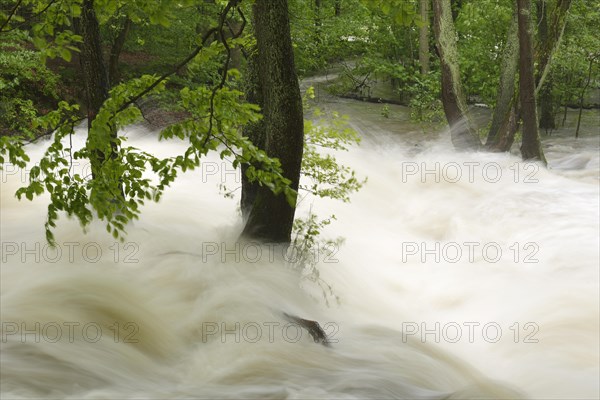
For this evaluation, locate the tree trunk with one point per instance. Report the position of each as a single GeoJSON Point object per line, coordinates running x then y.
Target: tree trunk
{"type": "Point", "coordinates": [547, 48]}
{"type": "Point", "coordinates": [255, 132]}
{"type": "Point", "coordinates": [318, 22]}
{"type": "Point", "coordinates": [497, 137]}
{"type": "Point", "coordinates": [547, 121]}
{"type": "Point", "coordinates": [531, 147]}
{"type": "Point", "coordinates": [545, 95]}
{"type": "Point", "coordinates": [337, 8]}
{"type": "Point", "coordinates": [582, 95]}
{"type": "Point", "coordinates": [271, 216]}
{"type": "Point", "coordinates": [115, 52]}
{"type": "Point", "coordinates": [463, 133]}
{"type": "Point", "coordinates": [95, 80]}
{"type": "Point", "coordinates": [506, 134]}
{"type": "Point", "coordinates": [424, 36]}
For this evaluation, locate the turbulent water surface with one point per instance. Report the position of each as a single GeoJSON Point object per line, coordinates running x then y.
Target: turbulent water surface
{"type": "Point", "coordinates": [461, 276]}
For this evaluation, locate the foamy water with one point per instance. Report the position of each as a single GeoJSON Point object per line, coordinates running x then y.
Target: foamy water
{"type": "Point", "coordinates": [463, 275]}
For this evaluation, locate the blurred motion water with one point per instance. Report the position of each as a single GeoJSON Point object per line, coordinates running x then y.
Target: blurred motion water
{"type": "Point", "coordinates": [462, 275]}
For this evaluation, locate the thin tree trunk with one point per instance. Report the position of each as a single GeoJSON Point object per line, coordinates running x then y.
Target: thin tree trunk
{"type": "Point", "coordinates": [531, 147]}
{"type": "Point", "coordinates": [271, 216]}
{"type": "Point", "coordinates": [463, 133]}
{"type": "Point", "coordinates": [548, 47]}
{"type": "Point", "coordinates": [424, 36]}
{"type": "Point", "coordinates": [497, 137]}
{"type": "Point", "coordinates": [547, 121]}
{"type": "Point", "coordinates": [115, 52]}
{"type": "Point", "coordinates": [583, 90]}
{"type": "Point", "coordinates": [337, 8]}
{"type": "Point", "coordinates": [545, 95]}
{"type": "Point", "coordinates": [318, 22]}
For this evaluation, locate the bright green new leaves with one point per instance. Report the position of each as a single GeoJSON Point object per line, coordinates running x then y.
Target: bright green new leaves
{"type": "Point", "coordinates": [118, 188]}
{"type": "Point", "coordinates": [402, 12]}
{"type": "Point", "coordinates": [216, 118]}
{"type": "Point", "coordinates": [327, 177]}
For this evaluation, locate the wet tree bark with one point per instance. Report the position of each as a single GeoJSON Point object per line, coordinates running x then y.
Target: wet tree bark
{"type": "Point", "coordinates": [464, 135]}
{"type": "Point", "coordinates": [271, 216]}
{"type": "Point", "coordinates": [255, 132]}
{"type": "Point", "coordinates": [531, 147]}
{"type": "Point", "coordinates": [95, 79]}
{"type": "Point", "coordinates": [424, 36]}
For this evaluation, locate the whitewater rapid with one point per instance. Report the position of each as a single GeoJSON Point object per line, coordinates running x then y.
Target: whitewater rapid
{"type": "Point", "coordinates": [178, 311]}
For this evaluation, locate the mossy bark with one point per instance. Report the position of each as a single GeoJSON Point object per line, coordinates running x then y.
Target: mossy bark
{"type": "Point", "coordinates": [464, 135]}
{"type": "Point", "coordinates": [531, 147]}
{"type": "Point", "coordinates": [271, 216]}
{"type": "Point", "coordinates": [255, 132]}
{"type": "Point", "coordinates": [500, 128]}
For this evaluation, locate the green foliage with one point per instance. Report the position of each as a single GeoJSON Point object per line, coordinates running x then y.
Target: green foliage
{"type": "Point", "coordinates": [26, 85]}
{"type": "Point", "coordinates": [480, 44]}
{"type": "Point", "coordinates": [308, 248]}
{"type": "Point", "coordinates": [385, 111]}
{"type": "Point", "coordinates": [325, 176]}
{"type": "Point", "coordinates": [425, 93]}
{"type": "Point", "coordinates": [580, 43]}
{"type": "Point", "coordinates": [320, 37]}
{"type": "Point", "coordinates": [400, 12]}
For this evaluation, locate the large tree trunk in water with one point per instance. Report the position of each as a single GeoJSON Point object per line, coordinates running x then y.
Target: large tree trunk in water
{"type": "Point", "coordinates": [424, 36]}
{"type": "Point", "coordinates": [95, 79]}
{"type": "Point", "coordinates": [463, 133]}
{"type": "Point", "coordinates": [531, 147]}
{"type": "Point", "coordinates": [115, 52]}
{"type": "Point", "coordinates": [500, 132]}
{"type": "Point", "coordinates": [271, 216]}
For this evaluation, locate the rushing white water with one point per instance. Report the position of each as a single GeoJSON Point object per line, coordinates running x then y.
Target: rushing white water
{"type": "Point", "coordinates": [483, 285]}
